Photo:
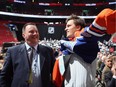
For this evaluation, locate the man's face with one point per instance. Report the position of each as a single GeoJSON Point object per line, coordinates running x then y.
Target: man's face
{"type": "Point", "coordinates": [70, 29]}
{"type": "Point", "coordinates": [31, 35]}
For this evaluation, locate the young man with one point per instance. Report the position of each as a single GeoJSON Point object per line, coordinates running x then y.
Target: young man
{"type": "Point", "coordinates": [20, 70]}
{"type": "Point", "coordinates": [78, 72]}
{"type": "Point", "coordinates": [78, 69]}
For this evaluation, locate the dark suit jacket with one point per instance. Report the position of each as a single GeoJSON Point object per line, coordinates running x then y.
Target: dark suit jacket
{"type": "Point", "coordinates": [16, 68]}
{"type": "Point", "coordinates": [109, 80]}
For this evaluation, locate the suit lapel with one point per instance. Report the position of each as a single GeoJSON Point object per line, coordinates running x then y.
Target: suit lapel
{"type": "Point", "coordinates": [24, 55]}
{"type": "Point", "coordinates": [42, 58]}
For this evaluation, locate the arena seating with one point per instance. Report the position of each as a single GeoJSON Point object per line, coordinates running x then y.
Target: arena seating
{"type": "Point", "coordinates": [5, 33]}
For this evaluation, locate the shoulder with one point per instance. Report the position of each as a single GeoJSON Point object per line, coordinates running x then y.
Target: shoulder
{"type": "Point", "coordinates": [16, 47]}
{"type": "Point", "coordinates": [109, 73]}
{"type": "Point", "coordinates": [106, 69]}
{"type": "Point", "coordinates": [47, 48]}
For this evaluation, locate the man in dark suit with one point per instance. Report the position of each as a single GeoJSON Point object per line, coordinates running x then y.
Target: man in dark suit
{"type": "Point", "coordinates": [18, 71]}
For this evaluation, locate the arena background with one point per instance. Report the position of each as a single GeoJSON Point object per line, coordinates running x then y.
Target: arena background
{"type": "Point", "coordinates": [49, 15]}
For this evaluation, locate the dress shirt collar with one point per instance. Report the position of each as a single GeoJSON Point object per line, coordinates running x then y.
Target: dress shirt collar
{"type": "Point", "coordinates": [27, 46]}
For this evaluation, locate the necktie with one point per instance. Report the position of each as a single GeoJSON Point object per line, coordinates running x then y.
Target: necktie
{"type": "Point", "coordinates": [31, 56]}
{"type": "Point", "coordinates": [31, 61]}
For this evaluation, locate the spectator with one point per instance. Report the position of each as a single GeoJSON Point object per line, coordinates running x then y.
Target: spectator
{"type": "Point", "coordinates": [108, 65]}
{"type": "Point", "coordinates": [110, 77]}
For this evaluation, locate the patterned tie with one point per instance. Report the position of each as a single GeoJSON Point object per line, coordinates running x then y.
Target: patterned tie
{"type": "Point", "coordinates": [31, 61]}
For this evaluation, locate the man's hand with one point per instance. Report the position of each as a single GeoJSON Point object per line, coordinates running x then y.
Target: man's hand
{"type": "Point", "coordinates": [68, 44]}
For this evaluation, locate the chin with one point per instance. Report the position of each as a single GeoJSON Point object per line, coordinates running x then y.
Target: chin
{"type": "Point", "coordinates": [67, 36]}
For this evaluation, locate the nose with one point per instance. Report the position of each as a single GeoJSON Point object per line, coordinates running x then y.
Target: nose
{"type": "Point", "coordinates": [66, 29]}
{"type": "Point", "coordinates": [35, 33]}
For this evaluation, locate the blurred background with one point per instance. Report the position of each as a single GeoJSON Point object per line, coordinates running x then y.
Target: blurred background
{"type": "Point", "coordinates": [49, 15]}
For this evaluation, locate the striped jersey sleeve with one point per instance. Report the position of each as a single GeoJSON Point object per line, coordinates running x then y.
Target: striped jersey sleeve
{"type": "Point", "coordinates": [104, 23]}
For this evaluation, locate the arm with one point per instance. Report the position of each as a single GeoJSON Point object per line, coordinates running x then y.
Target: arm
{"type": "Point", "coordinates": [6, 73]}
{"type": "Point", "coordinates": [52, 58]}
{"type": "Point", "coordinates": [83, 47]}
{"type": "Point", "coordinates": [103, 23]}
{"type": "Point", "coordinates": [51, 61]}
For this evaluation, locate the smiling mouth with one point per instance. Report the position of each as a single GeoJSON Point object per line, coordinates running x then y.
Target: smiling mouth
{"type": "Point", "coordinates": [34, 37]}
{"type": "Point", "coordinates": [67, 31]}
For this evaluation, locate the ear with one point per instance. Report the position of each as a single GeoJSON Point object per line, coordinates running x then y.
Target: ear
{"type": "Point", "coordinates": [23, 35]}
{"type": "Point", "coordinates": [78, 27]}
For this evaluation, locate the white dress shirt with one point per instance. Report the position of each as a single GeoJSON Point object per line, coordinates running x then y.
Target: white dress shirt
{"type": "Point", "coordinates": [36, 73]}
